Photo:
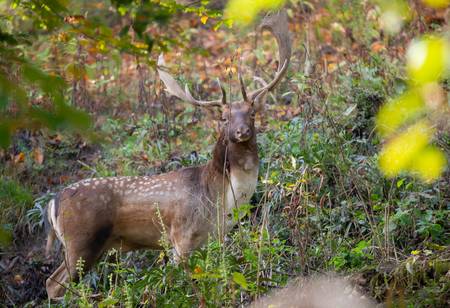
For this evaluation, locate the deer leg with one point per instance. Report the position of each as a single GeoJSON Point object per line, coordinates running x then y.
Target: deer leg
{"type": "Point", "coordinates": [87, 250]}
{"type": "Point", "coordinates": [184, 242]}
{"type": "Point", "coordinates": [55, 282]}
{"type": "Point", "coordinates": [50, 239]}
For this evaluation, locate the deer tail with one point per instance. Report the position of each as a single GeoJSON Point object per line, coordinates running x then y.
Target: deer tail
{"type": "Point", "coordinates": [50, 222]}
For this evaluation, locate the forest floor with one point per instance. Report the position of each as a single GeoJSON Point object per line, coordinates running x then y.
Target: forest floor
{"type": "Point", "coordinates": [321, 204]}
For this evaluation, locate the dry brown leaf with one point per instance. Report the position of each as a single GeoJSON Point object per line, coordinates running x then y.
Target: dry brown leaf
{"type": "Point", "coordinates": [18, 279]}
{"type": "Point", "coordinates": [377, 47]}
{"type": "Point", "coordinates": [331, 67]}
{"type": "Point", "coordinates": [144, 157]}
{"type": "Point", "coordinates": [38, 156]}
{"type": "Point", "coordinates": [19, 158]}
{"type": "Point", "coordinates": [56, 138]}
{"type": "Point", "coordinates": [63, 179]}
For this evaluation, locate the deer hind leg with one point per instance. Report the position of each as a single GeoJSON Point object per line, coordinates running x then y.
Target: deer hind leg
{"type": "Point", "coordinates": [88, 250]}
{"type": "Point", "coordinates": [48, 247]}
{"type": "Point", "coordinates": [56, 284]}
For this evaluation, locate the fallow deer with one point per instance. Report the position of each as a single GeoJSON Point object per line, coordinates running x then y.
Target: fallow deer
{"type": "Point", "coordinates": [94, 215]}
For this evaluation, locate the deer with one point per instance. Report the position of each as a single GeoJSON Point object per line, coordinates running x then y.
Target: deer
{"type": "Point", "coordinates": [129, 213]}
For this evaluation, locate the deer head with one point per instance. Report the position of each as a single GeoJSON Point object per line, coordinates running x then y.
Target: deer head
{"type": "Point", "coordinates": [238, 117]}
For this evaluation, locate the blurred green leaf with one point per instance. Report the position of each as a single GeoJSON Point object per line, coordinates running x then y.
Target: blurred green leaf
{"type": "Point", "coordinates": [6, 236]}
{"type": "Point", "coordinates": [240, 280]}
{"type": "Point", "coordinates": [8, 38]}
{"type": "Point", "coordinates": [5, 136]}
{"type": "Point", "coordinates": [124, 31]}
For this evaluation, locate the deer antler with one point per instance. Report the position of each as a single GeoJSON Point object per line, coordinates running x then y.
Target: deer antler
{"type": "Point", "coordinates": [174, 88]}
{"type": "Point", "coordinates": [244, 92]}
{"type": "Point", "coordinates": [277, 24]}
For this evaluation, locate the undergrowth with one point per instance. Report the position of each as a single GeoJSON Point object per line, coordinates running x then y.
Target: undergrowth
{"type": "Point", "coordinates": [321, 204]}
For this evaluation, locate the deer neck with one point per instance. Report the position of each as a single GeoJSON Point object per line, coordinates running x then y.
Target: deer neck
{"type": "Point", "coordinates": [232, 173]}
{"type": "Point", "coordinates": [229, 157]}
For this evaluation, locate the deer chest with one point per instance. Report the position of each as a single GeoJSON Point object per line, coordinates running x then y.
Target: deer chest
{"type": "Point", "coordinates": [241, 187]}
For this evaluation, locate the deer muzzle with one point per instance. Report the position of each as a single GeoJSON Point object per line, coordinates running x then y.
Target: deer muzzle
{"type": "Point", "coordinates": [243, 133]}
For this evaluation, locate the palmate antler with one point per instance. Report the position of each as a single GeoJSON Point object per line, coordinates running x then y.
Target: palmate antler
{"type": "Point", "coordinates": [277, 24]}
{"type": "Point", "coordinates": [173, 88]}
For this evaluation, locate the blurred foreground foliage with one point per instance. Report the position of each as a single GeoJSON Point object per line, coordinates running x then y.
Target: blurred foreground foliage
{"type": "Point", "coordinates": [321, 205]}
{"type": "Point", "coordinates": [27, 24]}
{"type": "Point", "coordinates": [402, 120]}
{"type": "Point", "coordinates": [243, 12]}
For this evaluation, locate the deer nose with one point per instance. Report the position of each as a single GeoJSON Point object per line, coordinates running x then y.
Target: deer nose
{"type": "Point", "coordinates": [243, 132]}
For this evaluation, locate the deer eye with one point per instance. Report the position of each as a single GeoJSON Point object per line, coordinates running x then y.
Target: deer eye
{"type": "Point", "coordinates": [224, 120]}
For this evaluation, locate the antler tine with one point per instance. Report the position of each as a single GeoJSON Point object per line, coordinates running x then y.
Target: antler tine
{"type": "Point", "coordinates": [244, 92]}
{"type": "Point", "coordinates": [174, 89]}
{"type": "Point", "coordinates": [260, 80]}
{"type": "Point", "coordinates": [277, 24]}
{"type": "Point", "coordinates": [224, 93]}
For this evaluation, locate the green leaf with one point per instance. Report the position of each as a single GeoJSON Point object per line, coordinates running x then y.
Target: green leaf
{"type": "Point", "coordinates": [7, 38]}
{"type": "Point", "coordinates": [149, 41]}
{"type": "Point", "coordinates": [5, 136]}
{"type": "Point", "coordinates": [124, 31]}
{"type": "Point", "coordinates": [400, 183]}
{"type": "Point", "coordinates": [108, 302]}
{"type": "Point", "coordinates": [240, 280]}
{"type": "Point", "coordinates": [5, 236]}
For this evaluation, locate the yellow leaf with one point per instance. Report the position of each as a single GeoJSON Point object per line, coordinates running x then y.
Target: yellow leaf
{"type": "Point", "coordinates": [429, 164]}
{"type": "Point", "coordinates": [397, 155]}
{"type": "Point", "coordinates": [204, 19]}
{"type": "Point", "coordinates": [437, 3]}
{"type": "Point", "coordinates": [245, 11]}
{"type": "Point", "coordinates": [399, 110]}
{"type": "Point", "coordinates": [140, 45]}
{"type": "Point", "coordinates": [428, 59]}
{"type": "Point", "coordinates": [331, 67]}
